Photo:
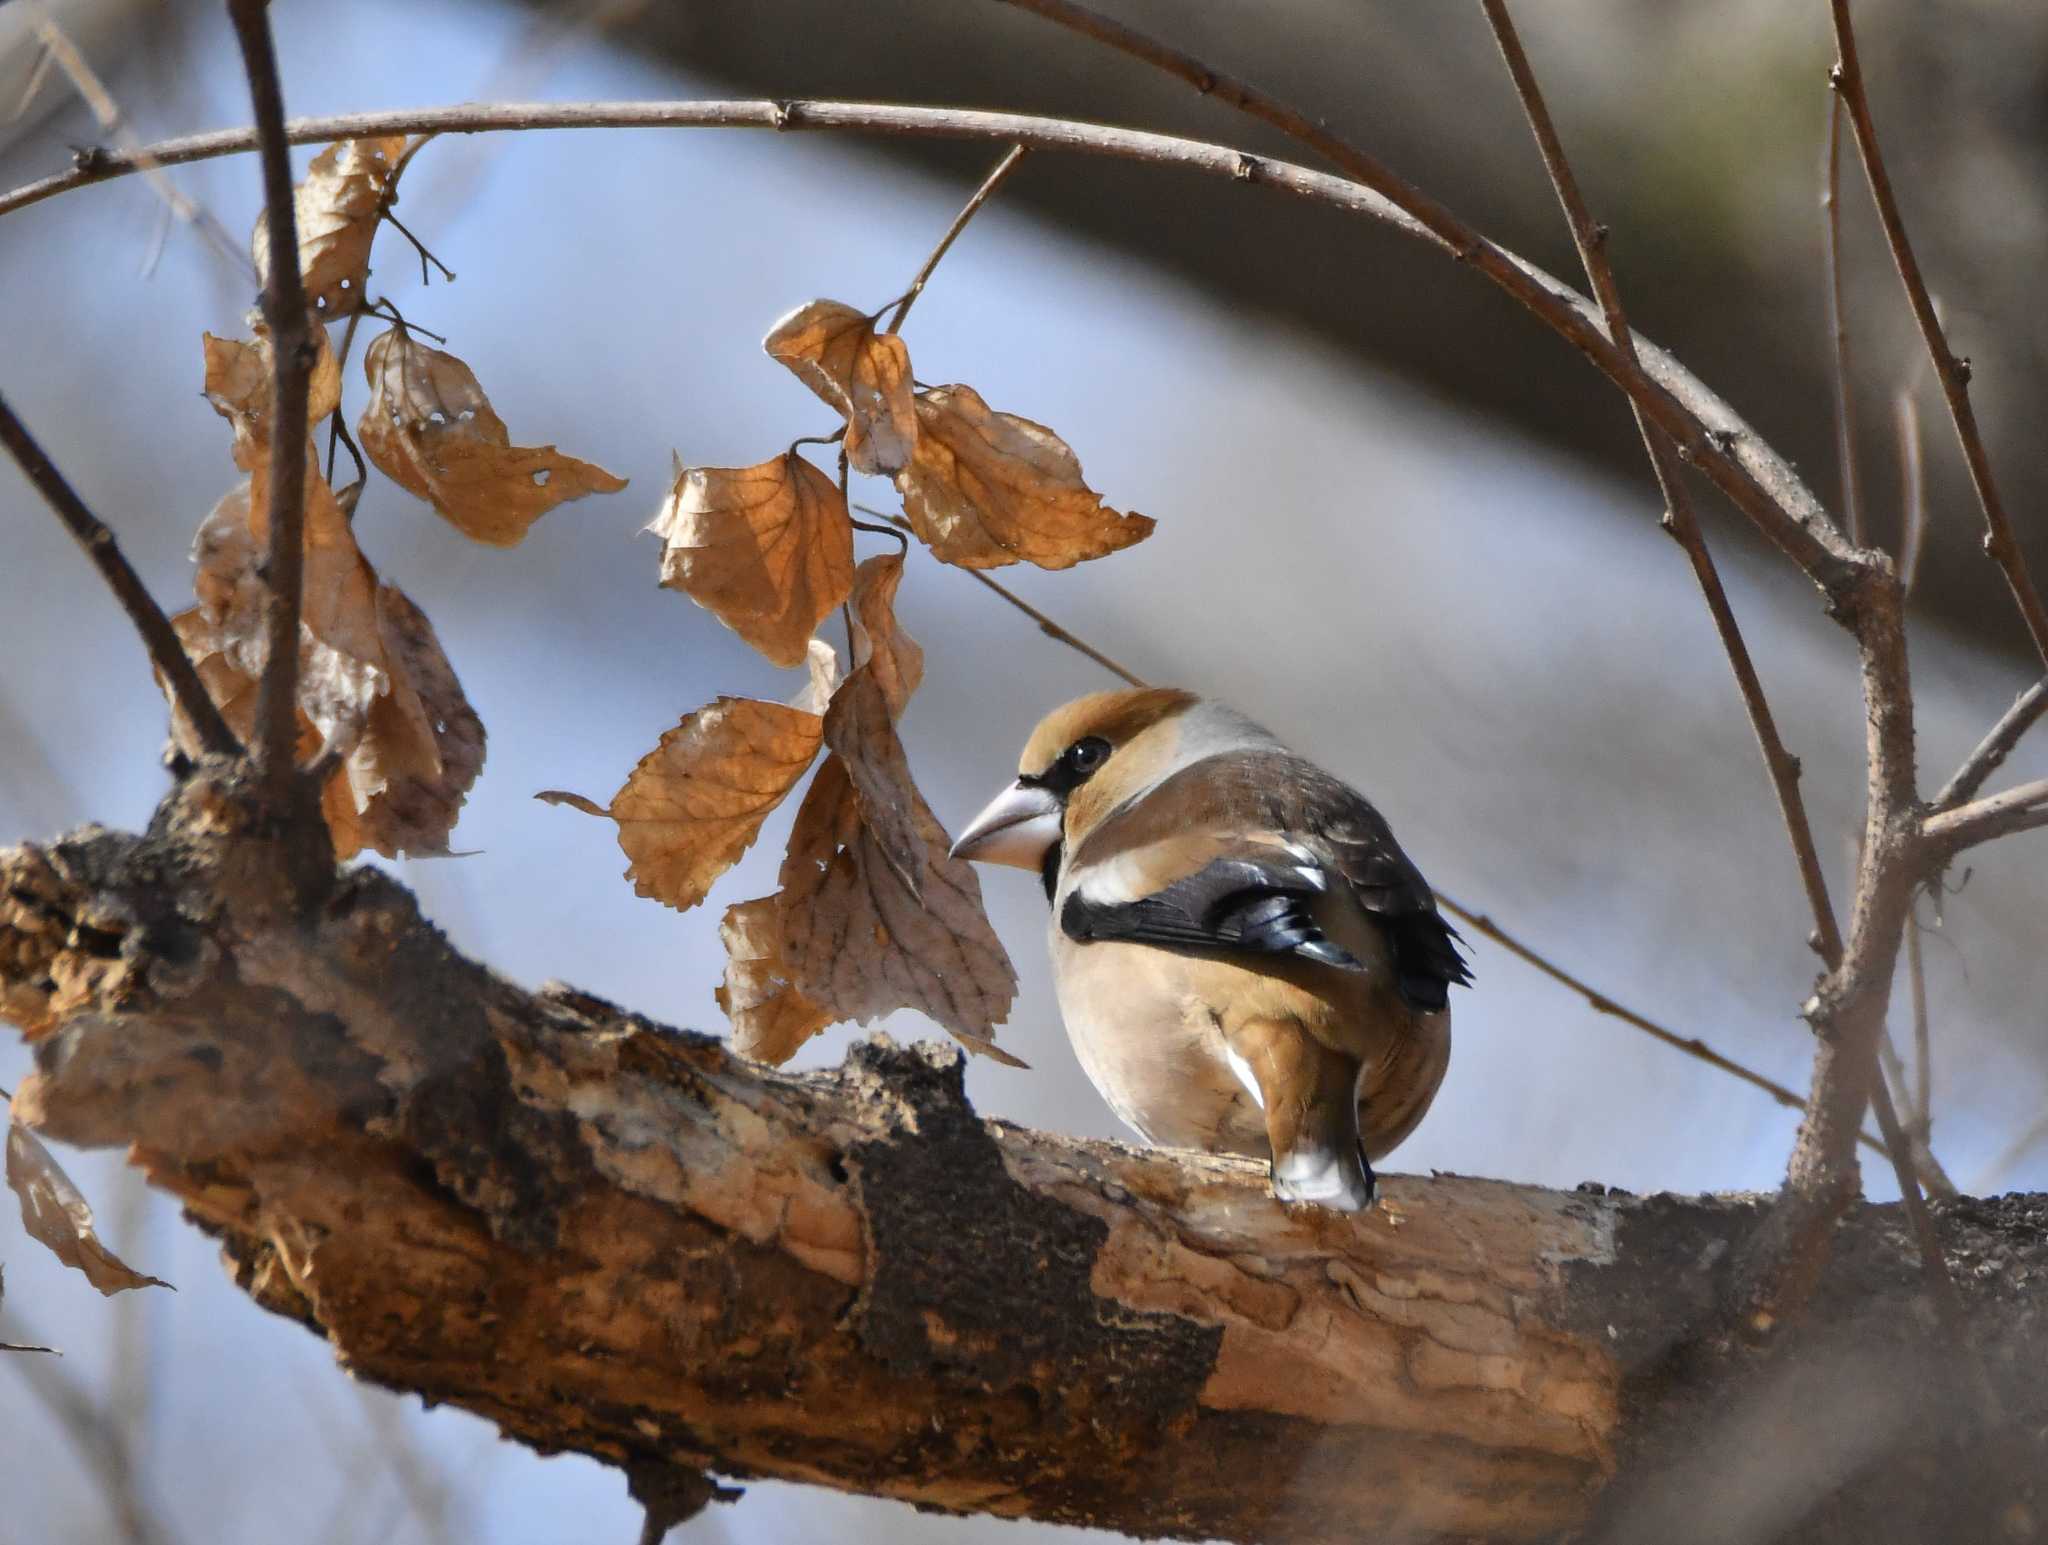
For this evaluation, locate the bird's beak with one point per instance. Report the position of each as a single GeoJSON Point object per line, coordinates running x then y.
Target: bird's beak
{"type": "Point", "coordinates": [1017, 827]}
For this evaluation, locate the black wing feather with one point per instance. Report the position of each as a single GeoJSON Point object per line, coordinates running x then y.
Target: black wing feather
{"type": "Point", "coordinates": [1261, 904]}
{"type": "Point", "coordinates": [1230, 905]}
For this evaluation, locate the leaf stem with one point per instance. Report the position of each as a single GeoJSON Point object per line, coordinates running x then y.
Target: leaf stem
{"type": "Point", "coordinates": [982, 195]}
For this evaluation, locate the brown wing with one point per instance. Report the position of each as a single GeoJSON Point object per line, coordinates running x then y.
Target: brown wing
{"type": "Point", "coordinates": [1252, 896]}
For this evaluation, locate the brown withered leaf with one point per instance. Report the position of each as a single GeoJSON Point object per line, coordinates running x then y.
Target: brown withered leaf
{"type": "Point", "coordinates": [859, 731]}
{"type": "Point", "coordinates": [336, 208]}
{"type": "Point", "coordinates": [696, 802]}
{"type": "Point", "coordinates": [836, 352]}
{"type": "Point", "coordinates": [374, 683]}
{"type": "Point", "coordinates": [984, 489]}
{"type": "Point", "coordinates": [895, 659]}
{"type": "Point", "coordinates": [430, 428]}
{"type": "Point", "coordinates": [402, 787]}
{"type": "Point", "coordinates": [238, 383]}
{"type": "Point", "coordinates": [767, 549]}
{"type": "Point", "coordinates": [822, 660]}
{"type": "Point", "coordinates": [55, 1212]}
{"type": "Point", "coordinates": [855, 940]}
{"type": "Point", "coordinates": [770, 1017]}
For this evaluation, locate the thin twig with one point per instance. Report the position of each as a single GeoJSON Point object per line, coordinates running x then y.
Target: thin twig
{"type": "Point", "coordinates": [1600, 1003]}
{"type": "Point", "coordinates": [1046, 625]}
{"type": "Point", "coordinates": [1912, 489]}
{"type": "Point", "coordinates": [1994, 748]}
{"type": "Point", "coordinates": [419, 246]}
{"type": "Point", "coordinates": [1954, 373]}
{"type": "Point", "coordinates": [57, 46]}
{"type": "Point", "coordinates": [2020, 808]}
{"type": "Point", "coordinates": [1838, 329]}
{"type": "Point", "coordinates": [1709, 433]}
{"type": "Point", "coordinates": [1922, 1112]}
{"type": "Point", "coordinates": [284, 310]}
{"type": "Point", "coordinates": [982, 195]}
{"type": "Point", "coordinates": [1680, 519]}
{"type": "Point", "coordinates": [158, 637]}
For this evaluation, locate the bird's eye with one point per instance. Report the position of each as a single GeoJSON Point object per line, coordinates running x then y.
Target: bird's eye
{"type": "Point", "coordinates": [1084, 756]}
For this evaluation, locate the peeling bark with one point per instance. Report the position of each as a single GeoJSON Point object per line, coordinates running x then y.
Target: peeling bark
{"type": "Point", "coordinates": [620, 1239]}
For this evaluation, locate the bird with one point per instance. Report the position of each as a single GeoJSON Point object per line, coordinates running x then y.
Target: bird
{"type": "Point", "coordinates": [1245, 959]}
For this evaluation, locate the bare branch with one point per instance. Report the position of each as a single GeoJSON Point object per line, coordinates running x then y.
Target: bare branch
{"type": "Point", "coordinates": [165, 652]}
{"type": "Point", "coordinates": [1681, 520]}
{"type": "Point", "coordinates": [1600, 1003]}
{"type": "Point", "coordinates": [1912, 487]}
{"type": "Point", "coordinates": [982, 195]}
{"type": "Point", "coordinates": [1710, 435]}
{"type": "Point", "coordinates": [1994, 748]}
{"type": "Point", "coordinates": [1838, 330]}
{"type": "Point", "coordinates": [58, 47]}
{"type": "Point", "coordinates": [1954, 373]}
{"type": "Point", "coordinates": [2018, 809]}
{"type": "Point", "coordinates": [291, 347]}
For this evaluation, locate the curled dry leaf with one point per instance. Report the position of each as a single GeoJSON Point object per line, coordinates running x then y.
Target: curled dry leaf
{"type": "Point", "coordinates": [859, 731]}
{"type": "Point", "coordinates": [55, 1212]}
{"type": "Point", "coordinates": [337, 208]}
{"type": "Point", "coordinates": [767, 549]}
{"type": "Point", "coordinates": [850, 940]}
{"type": "Point", "coordinates": [239, 379]}
{"type": "Point", "coordinates": [697, 800]}
{"type": "Point", "coordinates": [984, 489]}
{"type": "Point", "coordinates": [770, 1017]}
{"type": "Point", "coordinates": [889, 654]}
{"type": "Point", "coordinates": [374, 683]}
{"type": "Point", "coordinates": [836, 352]}
{"type": "Point", "coordinates": [430, 428]}
{"type": "Point", "coordinates": [823, 662]}
{"type": "Point", "coordinates": [402, 786]}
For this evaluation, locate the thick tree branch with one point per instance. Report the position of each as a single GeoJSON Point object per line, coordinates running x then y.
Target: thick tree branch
{"type": "Point", "coordinates": [625, 1241]}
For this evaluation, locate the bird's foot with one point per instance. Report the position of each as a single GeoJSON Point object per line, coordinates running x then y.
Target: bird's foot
{"type": "Point", "coordinates": [1340, 1181]}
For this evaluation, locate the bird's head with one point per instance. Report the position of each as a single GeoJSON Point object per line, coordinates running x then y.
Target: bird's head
{"type": "Point", "coordinates": [1083, 761]}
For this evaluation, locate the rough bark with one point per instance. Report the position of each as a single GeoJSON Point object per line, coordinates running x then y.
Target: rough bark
{"type": "Point", "coordinates": [621, 1239]}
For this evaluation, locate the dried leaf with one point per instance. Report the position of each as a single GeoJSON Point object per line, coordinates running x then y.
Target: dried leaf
{"type": "Point", "coordinates": [860, 945]}
{"type": "Point", "coordinates": [54, 1211]}
{"type": "Point", "coordinates": [697, 800]}
{"type": "Point", "coordinates": [402, 788]}
{"type": "Point", "coordinates": [430, 428]}
{"type": "Point", "coordinates": [823, 662]}
{"type": "Point", "coordinates": [770, 1017]}
{"type": "Point", "coordinates": [374, 683]}
{"type": "Point", "coordinates": [836, 352]}
{"type": "Point", "coordinates": [984, 489]}
{"type": "Point", "coordinates": [767, 549]}
{"type": "Point", "coordinates": [858, 730]}
{"type": "Point", "coordinates": [337, 208]}
{"type": "Point", "coordinates": [239, 378]}
{"type": "Point", "coordinates": [893, 656]}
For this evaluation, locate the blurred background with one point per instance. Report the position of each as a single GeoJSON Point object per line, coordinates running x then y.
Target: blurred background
{"type": "Point", "coordinates": [1398, 522]}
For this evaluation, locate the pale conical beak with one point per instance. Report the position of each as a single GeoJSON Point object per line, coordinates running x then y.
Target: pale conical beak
{"type": "Point", "coordinates": [1017, 827]}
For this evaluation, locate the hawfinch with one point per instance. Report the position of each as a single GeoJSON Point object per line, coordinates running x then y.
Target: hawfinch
{"type": "Point", "coordinates": [1245, 959]}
